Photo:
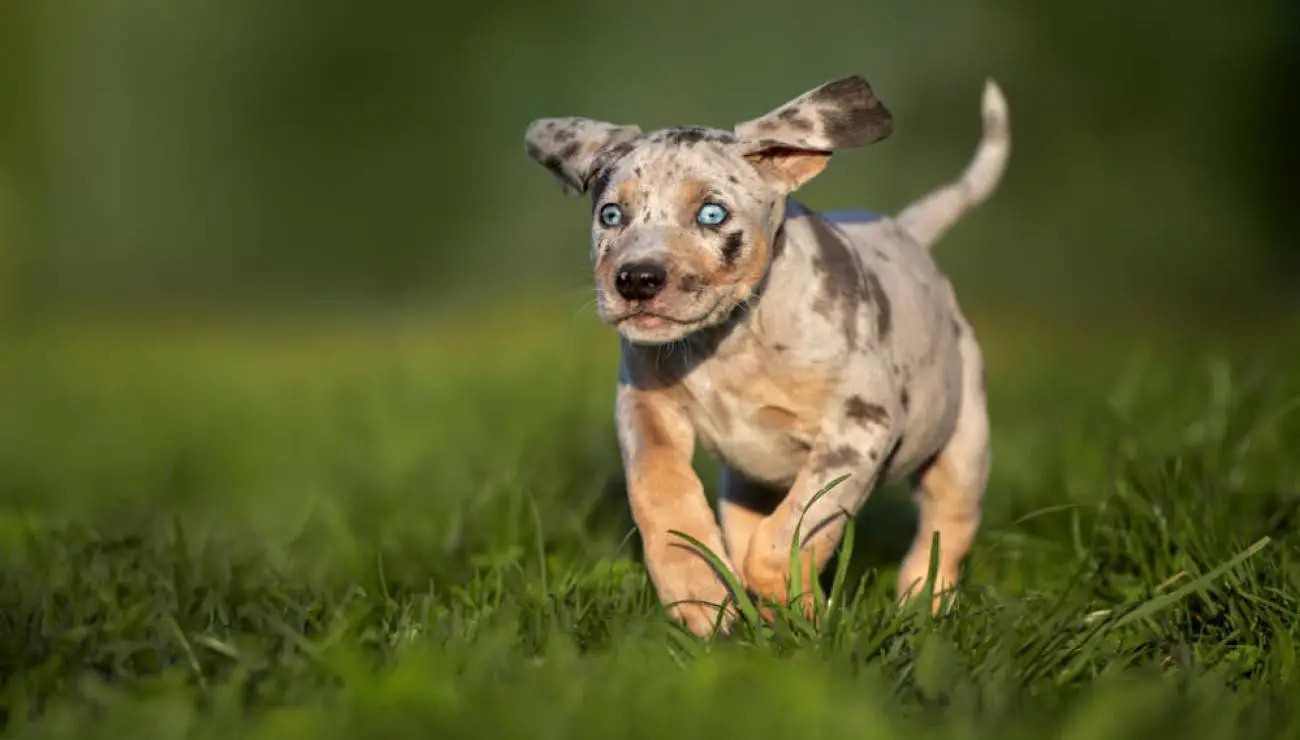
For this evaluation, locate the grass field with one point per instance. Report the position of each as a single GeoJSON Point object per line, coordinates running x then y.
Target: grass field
{"type": "Point", "coordinates": [421, 532]}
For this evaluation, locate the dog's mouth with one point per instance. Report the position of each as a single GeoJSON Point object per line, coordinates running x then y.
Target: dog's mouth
{"type": "Point", "coordinates": [651, 321]}
{"type": "Point", "coordinates": [648, 316]}
{"type": "Point", "coordinates": [654, 322]}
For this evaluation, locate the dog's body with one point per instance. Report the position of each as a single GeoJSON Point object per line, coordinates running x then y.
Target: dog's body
{"type": "Point", "coordinates": [796, 347]}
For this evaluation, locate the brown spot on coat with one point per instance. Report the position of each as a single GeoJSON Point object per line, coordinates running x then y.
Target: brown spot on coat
{"type": "Point", "coordinates": [857, 409]}
{"type": "Point", "coordinates": [604, 165]}
{"type": "Point", "coordinates": [556, 167]}
{"type": "Point", "coordinates": [840, 271]}
{"type": "Point", "coordinates": [691, 135]}
{"type": "Point", "coordinates": [884, 311]}
{"type": "Point", "coordinates": [686, 136]}
{"type": "Point", "coordinates": [778, 241]}
{"type": "Point", "coordinates": [731, 247]}
{"type": "Point", "coordinates": [841, 91]}
{"type": "Point", "coordinates": [795, 120]}
{"type": "Point", "coordinates": [851, 114]}
{"type": "Point", "coordinates": [599, 186]}
{"type": "Point", "coordinates": [843, 456]}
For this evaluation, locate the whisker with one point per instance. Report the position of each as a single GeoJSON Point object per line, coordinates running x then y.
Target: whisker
{"type": "Point", "coordinates": [582, 289]}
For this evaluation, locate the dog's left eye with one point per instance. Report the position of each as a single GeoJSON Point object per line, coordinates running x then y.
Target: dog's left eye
{"type": "Point", "coordinates": [711, 214]}
{"type": "Point", "coordinates": [611, 215]}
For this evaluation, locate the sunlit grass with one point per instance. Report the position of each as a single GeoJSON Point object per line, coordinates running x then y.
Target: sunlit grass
{"type": "Point", "coordinates": [316, 534]}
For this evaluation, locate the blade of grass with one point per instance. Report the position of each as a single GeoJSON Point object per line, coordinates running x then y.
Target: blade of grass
{"type": "Point", "coordinates": [833, 606]}
{"type": "Point", "coordinates": [1088, 646]}
{"type": "Point", "coordinates": [1159, 603]}
{"type": "Point", "coordinates": [795, 585]}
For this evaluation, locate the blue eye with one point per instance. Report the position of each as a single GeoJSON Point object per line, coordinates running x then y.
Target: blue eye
{"type": "Point", "coordinates": [711, 214]}
{"type": "Point", "coordinates": [611, 215]}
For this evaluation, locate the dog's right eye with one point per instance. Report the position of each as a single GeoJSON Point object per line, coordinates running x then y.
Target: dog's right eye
{"type": "Point", "coordinates": [611, 215]}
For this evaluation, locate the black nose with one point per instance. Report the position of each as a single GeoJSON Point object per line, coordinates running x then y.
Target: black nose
{"type": "Point", "coordinates": [640, 281]}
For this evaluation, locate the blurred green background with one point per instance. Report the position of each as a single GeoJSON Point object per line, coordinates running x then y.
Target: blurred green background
{"type": "Point", "coordinates": [254, 159]}
{"type": "Point", "coordinates": [282, 270]}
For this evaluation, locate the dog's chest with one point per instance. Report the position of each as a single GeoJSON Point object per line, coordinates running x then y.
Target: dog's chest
{"type": "Point", "coordinates": [757, 414]}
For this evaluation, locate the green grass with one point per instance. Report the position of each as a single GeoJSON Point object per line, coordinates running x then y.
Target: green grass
{"type": "Point", "coordinates": [422, 533]}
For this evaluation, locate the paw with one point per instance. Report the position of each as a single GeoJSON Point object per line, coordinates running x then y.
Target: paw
{"type": "Point", "coordinates": [692, 591]}
{"type": "Point", "coordinates": [911, 585]}
{"type": "Point", "coordinates": [766, 577]}
{"type": "Point", "coordinates": [702, 619]}
{"type": "Point", "coordinates": [769, 578]}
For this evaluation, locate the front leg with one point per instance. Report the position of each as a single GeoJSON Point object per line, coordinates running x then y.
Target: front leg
{"type": "Point", "coordinates": [859, 432]}
{"type": "Point", "coordinates": [657, 442]}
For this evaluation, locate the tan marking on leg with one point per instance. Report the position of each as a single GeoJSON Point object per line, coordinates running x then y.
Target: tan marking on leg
{"type": "Point", "coordinates": [950, 491]}
{"type": "Point", "coordinates": [855, 450]}
{"type": "Point", "coordinates": [767, 564]}
{"type": "Point", "coordinates": [665, 494]}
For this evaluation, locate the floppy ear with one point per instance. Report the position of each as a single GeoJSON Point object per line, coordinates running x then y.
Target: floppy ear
{"type": "Point", "coordinates": [794, 142]}
{"type": "Point", "coordinates": [569, 147]}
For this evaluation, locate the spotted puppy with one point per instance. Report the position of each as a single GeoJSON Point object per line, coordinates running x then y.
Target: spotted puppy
{"type": "Point", "coordinates": [798, 347]}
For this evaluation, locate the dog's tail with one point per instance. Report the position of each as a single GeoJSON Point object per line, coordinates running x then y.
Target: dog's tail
{"type": "Point", "coordinates": [930, 217]}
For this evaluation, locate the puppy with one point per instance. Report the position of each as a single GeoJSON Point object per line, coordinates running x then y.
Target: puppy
{"type": "Point", "coordinates": [797, 347]}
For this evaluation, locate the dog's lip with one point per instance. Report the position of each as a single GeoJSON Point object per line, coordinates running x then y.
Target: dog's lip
{"type": "Point", "coordinates": [632, 315]}
{"type": "Point", "coordinates": [641, 313]}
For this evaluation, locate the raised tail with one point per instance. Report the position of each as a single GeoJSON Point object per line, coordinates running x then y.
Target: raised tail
{"type": "Point", "coordinates": [930, 217]}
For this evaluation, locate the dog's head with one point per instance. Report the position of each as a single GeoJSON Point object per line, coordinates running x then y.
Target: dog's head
{"type": "Point", "coordinates": [684, 219]}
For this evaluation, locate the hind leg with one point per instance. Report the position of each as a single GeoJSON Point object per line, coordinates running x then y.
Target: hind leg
{"type": "Point", "coordinates": [949, 491]}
